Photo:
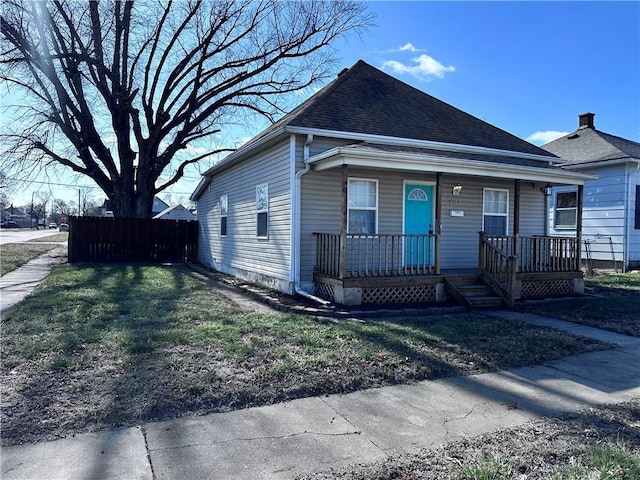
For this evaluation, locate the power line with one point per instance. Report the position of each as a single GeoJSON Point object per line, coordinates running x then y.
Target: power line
{"type": "Point", "coordinates": [68, 185]}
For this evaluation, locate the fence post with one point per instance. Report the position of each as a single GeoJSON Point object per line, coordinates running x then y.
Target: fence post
{"type": "Point", "coordinates": [481, 252]}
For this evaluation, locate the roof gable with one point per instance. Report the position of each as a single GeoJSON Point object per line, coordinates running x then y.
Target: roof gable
{"type": "Point", "coordinates": [587, 145]}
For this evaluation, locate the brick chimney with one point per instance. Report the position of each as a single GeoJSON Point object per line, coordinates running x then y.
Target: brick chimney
{"type": "Point", "coordinates": [586, 120]}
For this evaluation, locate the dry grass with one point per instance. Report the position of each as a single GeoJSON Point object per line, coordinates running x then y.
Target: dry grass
{"type": "Point", "coordinates": [104, 346]}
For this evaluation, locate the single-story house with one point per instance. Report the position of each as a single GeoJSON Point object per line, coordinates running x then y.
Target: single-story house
{"type": "Point", "coordinates": [177, 212]}
{"type": "Point", "coordinates": [611, 206]}
{"type": "Point", "coordinates": [372, 191]}
{"type": "Point", "coordinates": [18, 215]}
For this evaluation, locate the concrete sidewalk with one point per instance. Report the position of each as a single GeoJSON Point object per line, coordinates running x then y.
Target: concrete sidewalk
{"type": "Point", "coordinates": [16, 285]}
{"type": "Point", "coordinates": [316, 434]}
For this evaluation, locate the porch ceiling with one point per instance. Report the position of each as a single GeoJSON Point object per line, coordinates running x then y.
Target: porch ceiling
{"type": "Point", "coordinates": [423, 160]}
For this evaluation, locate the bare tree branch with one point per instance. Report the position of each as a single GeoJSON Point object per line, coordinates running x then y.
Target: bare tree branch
{"type": "Point", "coordinates": [123, 91]}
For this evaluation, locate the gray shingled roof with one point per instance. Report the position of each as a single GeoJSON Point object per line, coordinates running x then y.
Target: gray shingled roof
{"type": "Point", "coordinates": [587, 145]}
{"type": "Point", "coordinates": [366, 100]}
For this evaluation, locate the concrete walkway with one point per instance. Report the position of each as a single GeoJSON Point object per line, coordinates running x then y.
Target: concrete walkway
{"type": "Point", "coordinates": [19, 283]}
{"type": "Point", "coordinates": [316, 434]}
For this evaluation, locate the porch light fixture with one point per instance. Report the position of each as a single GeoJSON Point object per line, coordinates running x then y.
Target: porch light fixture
{"type": "Point", "coordinates": [457, 188]}
{"type": "Point", "coordinates": [546, 190]}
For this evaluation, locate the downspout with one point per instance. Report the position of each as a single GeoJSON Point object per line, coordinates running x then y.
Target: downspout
{"type": "Point", "coordinates": [296, 223]}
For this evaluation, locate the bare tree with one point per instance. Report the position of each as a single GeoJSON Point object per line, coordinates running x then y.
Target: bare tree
{"type": "Point", "coordinates": [38, 207]}
{"type": "Point", "coordinates": [6, 190]}
{"type": "Point", "coordinates": [131, 93]}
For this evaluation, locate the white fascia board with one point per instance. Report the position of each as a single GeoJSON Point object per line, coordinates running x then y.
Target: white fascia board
{"type": "Point", "coordinates": [204, 181]}
{"type": "Point", "coordinates": [602, 163]}
{"type": "Point", "coordinates": [409, 142]}
{"type": "Point", "coordinates": [426, 163]}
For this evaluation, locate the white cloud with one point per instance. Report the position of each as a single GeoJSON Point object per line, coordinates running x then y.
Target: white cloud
{"type": "Point", "coordinates": [547, 136]}
{"type": "Point", "coordinates": [425, 67]}
{"type": "Point", "coordinates": [408, 47]}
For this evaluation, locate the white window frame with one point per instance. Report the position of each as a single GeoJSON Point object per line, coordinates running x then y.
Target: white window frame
{"type": "Point", "coordinates": [506, 214]}
{"type": "Point", "coordinates": [374, 209]}
{"type": "Point", "coordinates": [262, 207]}
{"type": "Point", "coordinates": [224, 213]}
{"type": "Point", "coordinates": [565, 209]}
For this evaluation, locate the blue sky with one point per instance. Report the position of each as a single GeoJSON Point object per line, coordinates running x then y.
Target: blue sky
{"type": "Point", "coordinates": [527, 67]}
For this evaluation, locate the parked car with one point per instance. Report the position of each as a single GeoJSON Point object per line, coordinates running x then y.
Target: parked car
{"type": "Point", "coordinates": [53, 225]}
{"type": "Point", "coordinates": [9, 224]}
{"type": "Point", "coordinates": [63, 227]}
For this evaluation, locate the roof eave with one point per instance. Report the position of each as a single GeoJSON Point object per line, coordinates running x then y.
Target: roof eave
{"type": "Point", "coordinates": [410, 142]}
{"type": "Point", "coordinates": [429, 163]}
{"type": "Point", "coordinates": [601, 163]}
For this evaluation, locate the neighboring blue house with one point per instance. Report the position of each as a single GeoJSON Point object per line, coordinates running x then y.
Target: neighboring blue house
{"type": "Point", "coordinates": [611, 207]}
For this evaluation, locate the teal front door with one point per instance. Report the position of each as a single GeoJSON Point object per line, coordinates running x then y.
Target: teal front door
{"type": "Point", "coordinates": [418, 220]}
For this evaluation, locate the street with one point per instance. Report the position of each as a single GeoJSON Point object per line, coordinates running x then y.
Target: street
{"type": "Point", "coordinates": [20, 235]}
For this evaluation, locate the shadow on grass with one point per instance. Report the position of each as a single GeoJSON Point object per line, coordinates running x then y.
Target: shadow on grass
{"type": "Point", "coordinates": [102, 346]}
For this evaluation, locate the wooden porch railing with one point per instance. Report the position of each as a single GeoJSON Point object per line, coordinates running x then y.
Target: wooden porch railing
{"type": "Point", "coordinates": [380, 255]}
{"type": "Point", "coordinates": [502, 256]}
{"type": "Point", "coordinates": [497, 265]}
{"type": "Point", "coordinates": [539, 254]}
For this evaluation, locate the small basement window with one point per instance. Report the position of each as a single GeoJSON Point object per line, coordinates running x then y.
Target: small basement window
{"type": "Point", "coordinates": [566, 210]}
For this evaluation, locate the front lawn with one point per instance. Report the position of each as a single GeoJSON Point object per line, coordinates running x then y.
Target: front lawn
{"type": "Point", "coordinates": [612, 303]}
{"type": "Point", "coordinates": [100, 346]}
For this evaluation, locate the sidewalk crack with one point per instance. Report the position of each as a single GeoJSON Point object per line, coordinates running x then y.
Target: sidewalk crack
{"type": "Point", "coordinates": [143, 429]}
{"type": "Point", "coordinates": [463, 417]}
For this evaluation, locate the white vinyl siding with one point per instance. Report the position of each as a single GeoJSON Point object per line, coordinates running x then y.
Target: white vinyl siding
{"type": "Point", "coordinates": [603, 212]}
{"type": "Point", "coordinates": [241, 253]}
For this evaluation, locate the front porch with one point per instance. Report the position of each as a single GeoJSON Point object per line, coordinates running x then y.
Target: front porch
{"type": "Point", "coordinates": [354, 269]}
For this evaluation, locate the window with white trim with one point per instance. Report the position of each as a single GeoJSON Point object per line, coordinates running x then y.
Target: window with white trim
{"type": "Point", "coordinates": [495, 211]}
{"type": "Point", "coordinates": [224, 206]}
{"type": "Point", "coordinates": [566, 211]}
{"type": "Point", "coordinates": [262, 210]}
{"type": "Point", "coordinates": [362, 206]}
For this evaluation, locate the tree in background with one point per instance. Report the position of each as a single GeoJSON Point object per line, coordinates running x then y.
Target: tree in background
{"type": "Point", "coordinates": [131, 93]}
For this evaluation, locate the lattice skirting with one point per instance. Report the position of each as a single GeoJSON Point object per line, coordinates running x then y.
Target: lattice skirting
{"type": "Point", "coordinates": [404, 294]}
{"type": "Point", "coordinates": [547, 288]}
{"type": "Point", "coordinates": [326, 291]}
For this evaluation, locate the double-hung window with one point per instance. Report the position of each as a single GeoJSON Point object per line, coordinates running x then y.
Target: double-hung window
{"type": "Point", "coordinates": [262, 210]}
{"type": "Point", "coordinates": [224, 206]}
{"type": "Point", "coordinates": [362, 206]}
{"type": "Point", "coordinates": [495, 211]}
{"type": "Point", "coordinates": [566, 210]}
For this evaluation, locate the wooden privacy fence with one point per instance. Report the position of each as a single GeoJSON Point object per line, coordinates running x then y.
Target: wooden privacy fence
{"type": "Point", "coordinates": [105, 239]}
